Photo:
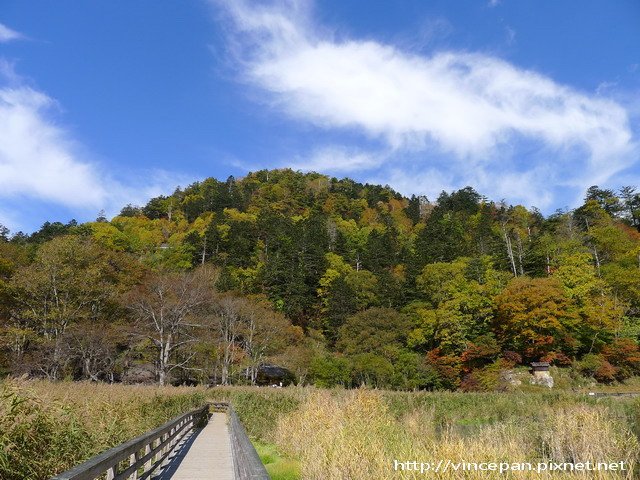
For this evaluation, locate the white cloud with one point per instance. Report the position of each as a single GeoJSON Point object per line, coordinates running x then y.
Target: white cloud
{"type": "Point", "coordinates": [338, 159]}
{"type": "Point", "coordinates": [7, 35]}
{"type": "Point", "coordinates": [472, 107]}
{"type": "Point", "coordinates": [427, 181]}
{"type": "Point", "coordinates": [40, 160]}
{"type": "Point", "coordinates": [37, 157]}
{"type": "Point", "coordinates": [605, 87]}
{"type": "Point", "coordinates": [9, 220]}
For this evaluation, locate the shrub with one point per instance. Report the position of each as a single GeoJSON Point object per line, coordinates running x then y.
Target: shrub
{"type": "Point", "coordinates": [597, 366]}
{"type": "Point", "coordinates": [446, 369]}
{"type": "Point", "coordinates": [481, 351]}
{"type": "Point", "coordinates": [487, 379]}
{"type": "Point", "coordinates": [624, 354]}
{"type": "Point", "coordinates": [511, 357]}
{"type": "Point", "coordinates": [329, 371]}
{"type": "Point", "coordinates": [556, 358]}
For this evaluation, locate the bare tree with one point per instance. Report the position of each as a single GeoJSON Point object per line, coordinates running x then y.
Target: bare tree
{"type": "Point", "coordinates": [247, 331]}
{"type": "Point", "coordinates": [168, 307]}
{"type": "Point", "coordinates": [226, 319]}
{"type": "Point", "coordinates": [264, 332]}
{"type": "Point", "coordinates": [93, 347]}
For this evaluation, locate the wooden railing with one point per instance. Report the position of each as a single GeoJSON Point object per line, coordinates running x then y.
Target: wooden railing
{"type": "Point", "coordinates": [246, 462]}
{"type": "Point", "coordinates": [139, 458]}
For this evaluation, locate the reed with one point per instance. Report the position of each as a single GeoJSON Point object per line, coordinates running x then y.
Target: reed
{"type": "Point", "coordinates": [313, 434]}
{"type": "Point", "coordinates": [46, 427]}
{"type": "Point", "coordinates": [358, 435]}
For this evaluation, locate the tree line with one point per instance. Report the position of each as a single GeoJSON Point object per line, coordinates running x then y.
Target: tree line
{"type": "Point", "coordinates": [340, 282]}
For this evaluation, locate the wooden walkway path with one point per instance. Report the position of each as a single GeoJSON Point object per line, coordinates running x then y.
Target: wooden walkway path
{"type": "Point", "coordinates": [204, 455]}
{"type": "Point", "coordinates": [179, 450]}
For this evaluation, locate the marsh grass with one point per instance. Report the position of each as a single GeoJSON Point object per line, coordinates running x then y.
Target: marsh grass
{"type": "Point", "coordinates": [260, 408]}
{"type": "Point", "coordinates": [313, 434]}
{"type": "Point", "coordinates": [358, 434]}
{"type": "Point", "coordinates": [46, 428]}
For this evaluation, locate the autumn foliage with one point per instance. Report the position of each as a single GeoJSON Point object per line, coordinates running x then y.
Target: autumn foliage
{"type": "Point", "coordinates": [340, 282]}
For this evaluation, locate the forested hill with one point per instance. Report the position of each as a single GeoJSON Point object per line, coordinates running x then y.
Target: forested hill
{"type": "Point", "coordinates": [388, 290]}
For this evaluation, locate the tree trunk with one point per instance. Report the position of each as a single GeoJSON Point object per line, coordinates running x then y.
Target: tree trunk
{"type": "Point", "coordinates": [165, 350]}
{"type": "Point", "coordinates": [548, 266]}
{"type": "Point", "coordinates": [224, 373]}
{"type": "Point", "coordinates": [520, 254]}
{"type": "Point", "coordinates": [512, 260]}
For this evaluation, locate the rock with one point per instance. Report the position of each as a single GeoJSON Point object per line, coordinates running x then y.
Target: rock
{"type": "Point", "coordinates": [543, 379]}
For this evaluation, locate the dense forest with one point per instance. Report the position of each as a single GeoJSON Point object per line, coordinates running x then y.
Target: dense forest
{"type": "Point", "coordinates": [339, 282]}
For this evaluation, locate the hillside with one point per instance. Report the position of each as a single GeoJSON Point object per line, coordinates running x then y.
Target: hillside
{"type": "Point", "coordinates": [343, 283]}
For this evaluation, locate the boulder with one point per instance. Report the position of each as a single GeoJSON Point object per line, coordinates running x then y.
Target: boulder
{"type": "Point", "coordinates": [544, 379]}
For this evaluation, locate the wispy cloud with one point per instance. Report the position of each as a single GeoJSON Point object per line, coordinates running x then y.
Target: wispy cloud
{"type": "Point", "coordinates": [41, 161]}
{"type": "Point", "coordinates": [511, 35]}
{"type": "Point", "coordinates": [468, 113]}
{"type": "Point", "coordinates": [38, 157]}
{"type": "Point", "coordinates": [339, 160]}
{"type": "Point", "coordinates": [7, 35]}
{"type": "Point", "coordinates": [432, 31]}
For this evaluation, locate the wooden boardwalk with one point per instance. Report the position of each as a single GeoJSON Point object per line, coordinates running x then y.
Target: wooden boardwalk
{"type": "Point", "coordinates": [204, 455]}
{"type": "Point", "coordinates": [221, 450]}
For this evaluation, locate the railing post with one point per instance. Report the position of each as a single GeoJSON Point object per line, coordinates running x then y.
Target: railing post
{"type": "Point", "coordinates": [165, 438]}
{"type": "Point", "coordinates": [147, 451]}
{"type": "Point", "coordinates": [155, 444]}
{"type": "Point", "coordinates": [173, 439]}
{"type": "Point", "coordinates": [111, 473]}
{"type": "Point", "coordinates": [133, 459]}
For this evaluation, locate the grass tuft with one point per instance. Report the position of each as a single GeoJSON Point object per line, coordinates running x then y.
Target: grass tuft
{"type": "Point", "coordinates": [278, 466]}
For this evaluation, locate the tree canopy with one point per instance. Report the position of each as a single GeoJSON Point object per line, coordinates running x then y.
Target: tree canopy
{"type": "Point", "coordinates": [341, 282]}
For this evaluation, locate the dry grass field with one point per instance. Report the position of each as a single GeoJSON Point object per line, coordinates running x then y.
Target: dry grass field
{"type": "Point", "coordinates": [357, 434]}
{"type": "Point", "coordinates": [329, 434]}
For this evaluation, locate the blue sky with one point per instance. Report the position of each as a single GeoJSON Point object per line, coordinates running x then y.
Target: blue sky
{"type": "Point", "coordinates": [103, 103]}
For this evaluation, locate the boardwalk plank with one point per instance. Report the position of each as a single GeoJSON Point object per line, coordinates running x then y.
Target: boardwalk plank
{"type": "Point", "coordinates": [205, 455]}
